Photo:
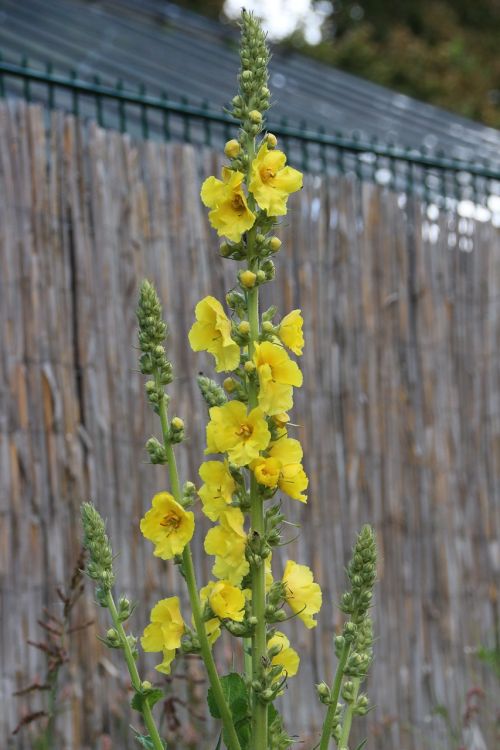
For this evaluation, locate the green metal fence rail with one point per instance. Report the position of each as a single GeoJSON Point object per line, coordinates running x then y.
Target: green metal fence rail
{"type": "Point", "coordinates": [437, 178]}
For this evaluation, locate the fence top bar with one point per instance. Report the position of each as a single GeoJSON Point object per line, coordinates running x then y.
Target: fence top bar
{"type": "Point", "coordinates": [352, 144]}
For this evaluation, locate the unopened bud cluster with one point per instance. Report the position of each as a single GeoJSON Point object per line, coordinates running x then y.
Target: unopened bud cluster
{"type": "Point", "coordinates": [152, 335]}
{"type": "Point", "coordinates": [211, 391]}
{"type": "Point", "coordinates": [362, 575]}
{"type": "Point", "coordinates": [354, 647]}
{"type": "Point", "coordinates": [96, 542]}
{"type": "Point", "coordinates": [253, 97]}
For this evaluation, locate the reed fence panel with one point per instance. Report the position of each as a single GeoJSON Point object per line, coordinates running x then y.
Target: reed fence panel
{"type": "Point", "coordinates": [399, 416]}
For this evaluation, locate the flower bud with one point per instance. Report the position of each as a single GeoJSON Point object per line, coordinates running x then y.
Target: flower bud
{"type": "Point", "coordinates": [247, 279]}
{"type": "Point", "coordinates": [271, 140]}
{"type": "Point", "coordinates": [211, 391]}
{"type": "Point", "coordinates": [229, 385]}
{"type": "Point", "coordinates": [234, 300]}
{"type": "Point", "coordinates": [279, 615]}
{"type": "Point", "coordinates": [267, 695]}
{"type": "Point", "coordinates": [249, 367]}
{"type": "Point", "coordinates": [146, 685]}
{"type": "Point", "coordinates": [225, 249]}
{"type": "Point", "coordinates": [156, 451]}
{"type": "Point", "coordinates": [267, 326]}
{"type": "Point", "coordinates": [244, 327]}
{"type": "Point", "coordinates": [177, 423]}
{"type": "Point", "coordinates": [261, 276]}
{"type": "Point", "coordinates": [255, 116]}
{"type": "Point", "coordinates": [275, 244]}
{"type": "Point", "coordinates": [232, 148]}
{"type": "Point", "coordinates": [323, 692]}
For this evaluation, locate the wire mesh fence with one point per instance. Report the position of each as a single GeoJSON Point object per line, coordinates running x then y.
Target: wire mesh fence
{"type": "Point", "coordinates": [437, 179]}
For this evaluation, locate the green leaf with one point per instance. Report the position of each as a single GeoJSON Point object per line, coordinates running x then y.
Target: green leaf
{"type": "Point", "coordinates": [145, 740]}
{"type": "Point", "coordinates": [219, 742]}
{"type": "Point", "coordinates": [149, 697]}
{"type": "Point", "coordinates": [362, 744]}
{"type": "Point", "coordinates": [277, 736]}
{"type": "Point", "coordinates": [236, 695]}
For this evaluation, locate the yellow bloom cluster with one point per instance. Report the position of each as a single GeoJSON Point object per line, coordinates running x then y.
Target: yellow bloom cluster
{"type": "Point", "coordinates": [270, 185]}
{"type": "Point", "coordinates": [282, 468]}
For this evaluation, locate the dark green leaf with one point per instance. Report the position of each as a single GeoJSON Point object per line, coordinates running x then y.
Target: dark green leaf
{"type": "Point", "coordinates": [236, 695]}
{"type": "Point", "coordinates": [151, 696]}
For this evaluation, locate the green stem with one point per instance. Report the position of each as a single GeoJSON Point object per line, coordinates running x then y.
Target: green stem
{"type": "Point", "coordinates": [230, 736]}
{"type": "Point", "coordinates": [348, 716]}
{"type": "Point", "coordinates": [335, 692]}
{"type": "Point", "coordinates": [259, 637]}
{"type": "Point", "coordinates": [247, 658]}
{"type": "Point", "coordinates": [134, 674]}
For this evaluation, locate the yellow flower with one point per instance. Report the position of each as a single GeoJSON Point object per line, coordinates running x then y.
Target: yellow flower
{"type": "Point", "coordinates": [302, 595]}
{"type": "Point", "coordinates": [227, 542]}
{"type": "Point", "coordinates": [293, 481]}
{"type": "Point", "coordinates": [281, 420]}
{"type": "Point", "coordinates": [212, 629]}
{"type": "Point", "coordinates": [239, 434]}
{"type": "Point", "coordinates": [277, 374]}
{"type": "Point", "coordinates": [217, 492]}
{"type": "Point", "coordinates": [168, 657]}
{"type": "Point", "coordinates": [165, 631]}
{"type": "Point", "coordinates": [292, 478]}
{"type": "Point", "coordinates": [212, 626]}
{"type": "Point", "coordinates": [168, 526]}
{"type": "Point", "coordinates": [287, 658]}
{"type": "Point", "coordinates": [212, 333]}
{"type": "Point", "coordinates": [230, 214]}
{"type": "Point", "coordinates": [267, 471]}
{"type": "Point", "coordinates": [226, 601]}
{"type": "Point", "coordinates": [271, 182]}
{"type": "Point", "coordinates": [290, 331]}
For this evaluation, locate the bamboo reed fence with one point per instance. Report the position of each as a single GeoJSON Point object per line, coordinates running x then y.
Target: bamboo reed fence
{"type": "Point", "coordinates": [399, 416]}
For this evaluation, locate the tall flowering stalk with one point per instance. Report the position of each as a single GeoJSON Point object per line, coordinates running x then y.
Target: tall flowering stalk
{"type": "Point", "coordinates": [253, 461]}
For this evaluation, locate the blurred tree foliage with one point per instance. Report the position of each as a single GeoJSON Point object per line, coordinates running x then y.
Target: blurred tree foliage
{"type": "Point", "coordinates": [210, 8]}
{"type": "Point", "coordinates": [445, 52]}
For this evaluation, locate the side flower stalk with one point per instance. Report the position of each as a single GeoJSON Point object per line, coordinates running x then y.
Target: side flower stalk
{"type": "Point", "coordinates": [100, 569]}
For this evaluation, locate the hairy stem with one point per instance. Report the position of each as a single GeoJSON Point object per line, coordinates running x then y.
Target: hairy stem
{"type": "Point", "coordinates": [134, 674]}
{"type": "Point", "coordinates": [259, 640]}
{"type": "Point", "coordinates": [230, 735]}
{"type": "Point", "coordinates": [335, 692]}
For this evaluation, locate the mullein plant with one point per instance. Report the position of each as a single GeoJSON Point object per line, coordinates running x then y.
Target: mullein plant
{"type": "Point", "coordinates": [253, 462]}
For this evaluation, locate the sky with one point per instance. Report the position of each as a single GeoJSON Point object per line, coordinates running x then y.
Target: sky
{"type": "Point", "coordinates": [281, 17]}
